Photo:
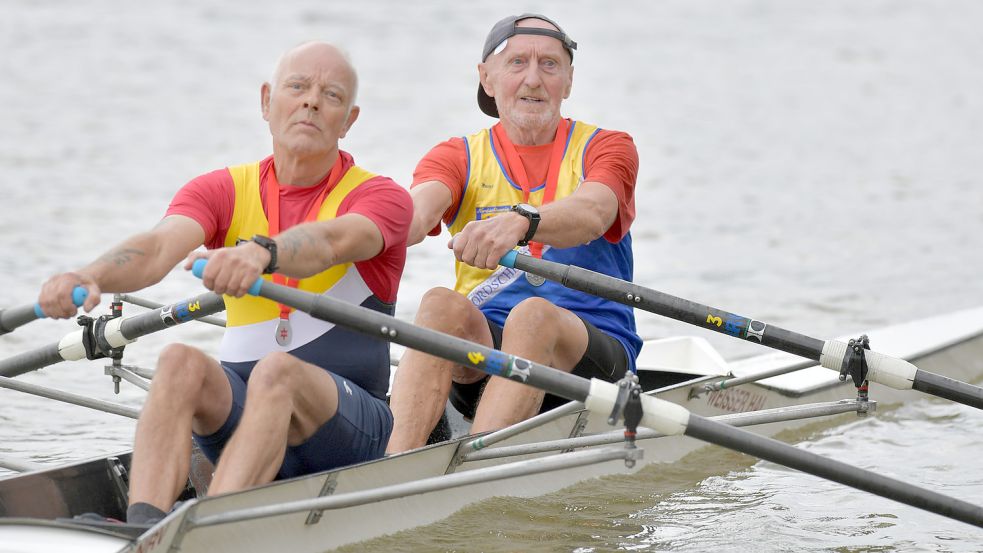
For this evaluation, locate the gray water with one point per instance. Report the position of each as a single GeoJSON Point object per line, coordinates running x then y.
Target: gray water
{"type": "Point", "coordinates": [816, 165]}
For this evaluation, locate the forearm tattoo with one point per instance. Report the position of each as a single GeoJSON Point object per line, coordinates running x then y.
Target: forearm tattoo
{"type": "Point", "coordinates": [121, 256]}
{"type": "Point", "coordinates": [294, 241]}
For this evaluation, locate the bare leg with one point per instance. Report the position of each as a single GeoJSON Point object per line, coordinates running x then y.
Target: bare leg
{"type": "Point", "coordinates": [189, 392]}
{"type": "Point", "coordinates": [538, 331]}
{"type": "Point", "coordinates": [287, 401]}
{"type": "Point", "coordinates": [423, 382]}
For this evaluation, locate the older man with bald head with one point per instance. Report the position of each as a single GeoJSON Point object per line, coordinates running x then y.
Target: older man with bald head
{"type": "Point", "coordinates": [289, 395]}
{"type": "Point", "coordinates": [557, 188]}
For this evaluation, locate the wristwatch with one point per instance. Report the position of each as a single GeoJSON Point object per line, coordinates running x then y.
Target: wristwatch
{"type": "Point", "coordinates": [270, 246]}
{"type": "Point", "coordinates": [531, 213]}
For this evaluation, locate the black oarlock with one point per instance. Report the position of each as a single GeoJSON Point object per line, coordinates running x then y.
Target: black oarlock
{"type": "Point", "coordinates": [854, 362]}
{"type": "Point", "coordinates": [633, 416]}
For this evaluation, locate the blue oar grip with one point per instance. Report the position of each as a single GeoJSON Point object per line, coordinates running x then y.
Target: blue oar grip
{"type": "Point", "coordinates": [198, 269]}
{"type": "Point", "coordinates": [508, 260]}
{"type": "Point", "coordinates": [78, 298]}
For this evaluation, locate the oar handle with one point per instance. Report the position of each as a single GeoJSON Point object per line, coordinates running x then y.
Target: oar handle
{"type": "Point", "coordinates": [198, 269]}
{"type": "Point", "coordinates": [79, 295]}
{"type": "Point", "coordinates": [508, 260]}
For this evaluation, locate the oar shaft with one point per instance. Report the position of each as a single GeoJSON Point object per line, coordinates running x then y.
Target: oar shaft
{"type": "Point", "coordinates": [855, 477]}
{"type": "Point", "coordinates": [660, 303]}
{"type": "Point", "coordinates": [385, 327]}
{"type": "Point", "coordinates": [947, 388]}
{"type": "Point", "coordinates": [883, 369]}
{"type": "Point", "coordinates": [14, 317]}
{"type": "Point", "coordinates": [130, 298]}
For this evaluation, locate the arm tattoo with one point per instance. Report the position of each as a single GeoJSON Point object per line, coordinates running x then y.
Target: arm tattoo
{"type": "Point", "coordinates": [293, 242]}
{"type": "Point", "coordinates": [121, 256]}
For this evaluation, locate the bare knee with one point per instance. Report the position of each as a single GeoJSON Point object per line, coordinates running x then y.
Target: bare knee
{"type": "Point", "coordinates": [445, 310]}
{"type": "Point", "coordinates": [180, 370]}
{"type": "Point", "coordinates": [534, 314]}
{"type": "Point", "coordinates": [274, 374]}
{"type": "Point", "coordinates": [545, 333]}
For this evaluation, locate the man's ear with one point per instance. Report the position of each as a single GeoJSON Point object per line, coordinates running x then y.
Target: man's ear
{"type": "Point", "coordinates": [484, 80]}
{"type": "Point", "coordinates": [265, 92]}
{"type": "Point", "coordinates": [352, 116]}
{"type": "Point", "coordinates": [566, 93]}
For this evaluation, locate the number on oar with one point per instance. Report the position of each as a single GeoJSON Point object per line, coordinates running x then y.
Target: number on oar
{"type": "Point", "coordinates": [831, 354]}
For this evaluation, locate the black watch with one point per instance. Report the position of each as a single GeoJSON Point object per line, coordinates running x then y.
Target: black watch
{"type": "Point", "coordinates": [270, 246]}
{"type": "Point", "coordinates": [531, 213]}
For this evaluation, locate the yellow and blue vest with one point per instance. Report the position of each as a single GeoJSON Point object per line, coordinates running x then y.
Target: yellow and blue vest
{"type": "Point", "coordinates": [489, 191]}
{"type": "Point", "coordinates": [251, 321]}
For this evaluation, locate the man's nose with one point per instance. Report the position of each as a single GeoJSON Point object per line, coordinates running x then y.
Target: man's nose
{"type": "Point", "coordinates": [312, 100]}
{"type": "Point", "coordinates": [531, 77]}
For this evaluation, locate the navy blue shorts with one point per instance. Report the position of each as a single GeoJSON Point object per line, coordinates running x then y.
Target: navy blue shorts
{"type": "Point", "coordinates": [358, 432]}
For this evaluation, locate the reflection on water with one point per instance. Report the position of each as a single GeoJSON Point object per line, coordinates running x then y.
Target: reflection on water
{"type": "Point", "coordinates": [814, 165]}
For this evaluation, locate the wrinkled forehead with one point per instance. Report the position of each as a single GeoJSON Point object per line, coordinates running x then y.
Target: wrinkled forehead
{"type": "Point", "coordinates": [318, 62]}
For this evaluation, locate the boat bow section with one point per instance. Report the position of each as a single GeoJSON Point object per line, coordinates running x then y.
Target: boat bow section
{"type": "Point", "coordinates": [22, 535]}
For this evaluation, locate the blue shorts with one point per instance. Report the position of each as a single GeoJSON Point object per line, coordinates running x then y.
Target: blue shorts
{"type": "Point", "coordinates": [358, 432]}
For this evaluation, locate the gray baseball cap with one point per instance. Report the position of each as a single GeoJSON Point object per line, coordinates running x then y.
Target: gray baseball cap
{"type": "Point", "coordinates": [508, 28]}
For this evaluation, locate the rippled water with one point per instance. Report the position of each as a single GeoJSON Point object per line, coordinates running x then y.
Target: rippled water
{"type": "Point", "coordinates": [814, 165]}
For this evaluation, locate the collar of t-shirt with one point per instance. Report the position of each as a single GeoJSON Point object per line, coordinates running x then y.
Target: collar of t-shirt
{"type": "Point", "coordinates": [296, 201]}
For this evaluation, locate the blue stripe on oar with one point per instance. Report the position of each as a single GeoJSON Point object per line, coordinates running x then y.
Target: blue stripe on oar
{"type": "Point", "coordinates": [508, 260]}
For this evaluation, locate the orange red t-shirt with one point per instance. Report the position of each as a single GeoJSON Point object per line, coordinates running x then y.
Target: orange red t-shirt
{"type": "Point", "coordinates": [210, 198]}
{"type": "Point", "coordinates": [611, 159]}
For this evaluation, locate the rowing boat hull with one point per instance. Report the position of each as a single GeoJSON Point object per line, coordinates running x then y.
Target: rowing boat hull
{"type": "Point", "coordinates": [951, 345]}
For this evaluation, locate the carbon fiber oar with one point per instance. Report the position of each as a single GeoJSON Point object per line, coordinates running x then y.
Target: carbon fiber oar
{"type": "Point", "coordinates": [112, 333]}
{"type": "Point", "coordinates": [601, 397]}
{"type": "Point", "coordinates": [14, 317]}
{"type": "Point", "coordinates": [832, 354]}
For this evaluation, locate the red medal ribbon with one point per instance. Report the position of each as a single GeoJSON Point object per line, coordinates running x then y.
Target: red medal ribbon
{"type": "Point", "coordinates": [515, 168]}
{"type": "Point", "coordinates": [272, 205]}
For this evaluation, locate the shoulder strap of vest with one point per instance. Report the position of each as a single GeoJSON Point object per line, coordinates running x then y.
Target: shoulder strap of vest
{"type": "Point", "coordinates": [354, 177]}
{"type": "Point", "coordinates": [245, 180]}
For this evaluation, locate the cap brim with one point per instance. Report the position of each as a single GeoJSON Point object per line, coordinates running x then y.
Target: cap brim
{"type": "Point", "coordinates": [487, 103]}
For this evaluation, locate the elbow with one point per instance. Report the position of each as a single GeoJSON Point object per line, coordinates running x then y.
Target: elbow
{"type": "Point", "coordinates": [596, 229]}
{"type": "Point", "coordinates": [419, 228]}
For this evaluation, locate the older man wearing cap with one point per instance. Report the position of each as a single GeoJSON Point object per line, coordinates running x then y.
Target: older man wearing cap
{"type": "Point", "coordinates": [559, 189]}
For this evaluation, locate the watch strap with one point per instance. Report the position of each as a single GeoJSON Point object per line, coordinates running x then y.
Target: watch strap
{"type": "Point", "coordinates": [270, 245]}
{"type": "Point", "coordinates": [533, 219]}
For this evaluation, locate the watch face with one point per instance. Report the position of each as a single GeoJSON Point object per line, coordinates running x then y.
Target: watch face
{"type": "Point", "coordinates": [525, 210]}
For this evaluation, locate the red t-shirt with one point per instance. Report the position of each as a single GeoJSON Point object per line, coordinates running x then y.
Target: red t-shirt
{"type": "Point", "coordinates": [209, 199]}
{"type": "Point", "coordinates": [611, 159]}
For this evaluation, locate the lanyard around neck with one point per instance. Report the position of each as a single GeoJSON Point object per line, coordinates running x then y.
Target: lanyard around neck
{"type": "Point", "coordinates": [517, 171]}
{"type": "Point", "coordinates": [272, 205]}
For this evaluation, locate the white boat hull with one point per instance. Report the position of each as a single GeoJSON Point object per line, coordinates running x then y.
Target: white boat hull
{"type": "Point", "coordinates": [951, 345]}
